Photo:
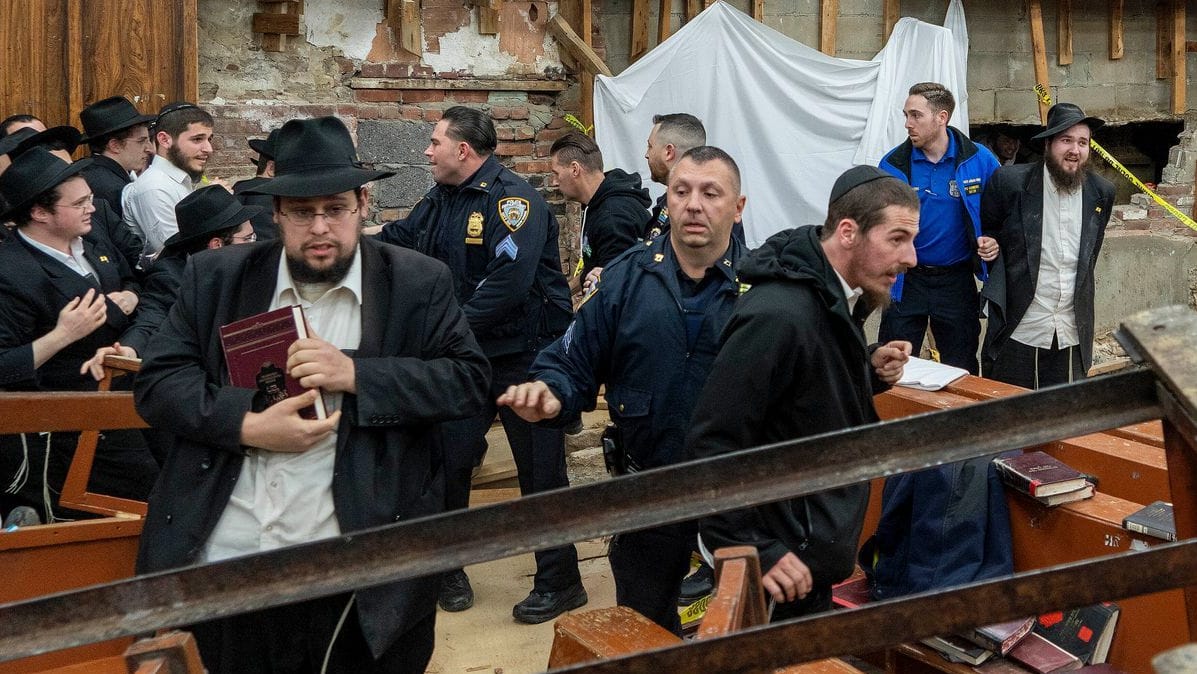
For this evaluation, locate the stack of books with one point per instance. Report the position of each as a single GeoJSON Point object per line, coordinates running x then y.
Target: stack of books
{"type": "Point", "coordinates": [1044, 478]}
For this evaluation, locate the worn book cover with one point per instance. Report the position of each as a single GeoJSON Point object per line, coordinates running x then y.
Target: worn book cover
{"type": "Point", "coordinates": [1001, 637]}
{"type": "Point", "coordinates": [1038, 474]}
{"type": "Point", "coordinates": [1067, 496]}
{"type": "Point", "coordinates": [1154, 520]}
{"type": "Point", "coordinates": [255, 350]}
{"type": "Point", "coordinates": [1042, 656]}
{"type": "Point", "coordinates": [1086, 632]}
{"type": "Point", "coordinates": [958, 649]}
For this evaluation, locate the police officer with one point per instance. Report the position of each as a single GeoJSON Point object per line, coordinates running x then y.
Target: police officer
{"type": "Point", "coordinates": [500, 241]}
{"type": "Point", "coordinates": [650, 332]}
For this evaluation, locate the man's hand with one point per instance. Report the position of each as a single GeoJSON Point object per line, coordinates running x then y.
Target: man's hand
{"type": "Point", "coordinates": [889, 359]}
{"type": "Point", "coordinates": [95, 364]}
{"type": "Point", "coordinates": [533, 401]}
{"type": "Point", "coordinates": [592, 280]}
{"type": "Point", "coordinates": [279, 428]}
{"type": "Point", "coordinates": [126, 300]}
{"type": "Point", "coordinates": [788, 580]}
{"type": "Point", "coordinates": [81, 317]}
{"type": "Point", "coordinates": [987, 248]}
{"type": "Point", "coordinates": [315, 363]}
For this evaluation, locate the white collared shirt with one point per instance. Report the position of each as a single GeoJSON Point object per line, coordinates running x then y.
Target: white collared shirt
{"type": "Point", "coordinates": [149, 203]}
{"type": "Point", "coordinates": [76, 260]}
{"type": "Point", "coordinates": [851, 294]}
{"type": "Point", "coordinates": [1052, 312]}
{"type": "Point", "coordinates": [282, 498]}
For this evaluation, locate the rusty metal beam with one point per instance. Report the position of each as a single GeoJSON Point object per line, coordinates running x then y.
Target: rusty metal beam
{"type": "Point", "coordinates": [434, 545]}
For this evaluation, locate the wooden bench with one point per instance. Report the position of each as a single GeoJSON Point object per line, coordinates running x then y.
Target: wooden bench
{"type": "Point", "coordinates": [169, 653]}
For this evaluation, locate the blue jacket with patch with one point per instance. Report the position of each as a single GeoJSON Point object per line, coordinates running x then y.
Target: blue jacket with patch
{"type": "Point", "coordinates": [499, 238]}
{"type": "Point", "coordinates": [630, 334]}
{"type": "Point", "coordinates": [974, 165]}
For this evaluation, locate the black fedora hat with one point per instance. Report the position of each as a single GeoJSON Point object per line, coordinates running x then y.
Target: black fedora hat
{"type": "Point", "coordinates": [265, 147]}
{"type": "Point", "coordinates": [31, 174]}
{"type": "Point", "coordinates": [12, 140]}
{"type": "Point", "coordinates": [1064, 116]}
{"type": "Point", "coordinates": [313, 158]}
{"type": "Point", "coordinates": [65, 137]}
{"type": "Point", "coordinates": [207, 211]}
{"type": "Point", "coordinates": [109, 115]}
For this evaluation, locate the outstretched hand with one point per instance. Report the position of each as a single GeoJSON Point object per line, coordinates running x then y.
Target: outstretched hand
{"type": "Point", "coordinates": [533, 401]}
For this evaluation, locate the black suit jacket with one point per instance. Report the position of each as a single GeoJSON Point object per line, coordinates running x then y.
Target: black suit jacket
{"type": "Point", "coordinates": [1012, 213]}
{"type": "Point", "coordinates": [34, 287]}
{"type": "Point", "coordinates": [417, 364]}
{"type": "Point", "coordinates": [107, 179]}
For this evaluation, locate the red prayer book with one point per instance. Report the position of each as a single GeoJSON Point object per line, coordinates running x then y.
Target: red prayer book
{"type": "Point", "coordinates": [255, 351]}
{"type": "Point", "coordinates": [1042, 656]}
{"type": "Point", "coordinates": [1039, 474]}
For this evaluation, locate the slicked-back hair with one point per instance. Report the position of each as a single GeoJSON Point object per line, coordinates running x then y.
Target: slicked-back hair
{"type": "Point", "coordinates": [577, 146]}
{"type": "Point", "coordinates": [937, 95]}
{"type": "Point", "coordinates": [176, 122]}
{"type": "Point", "coordinates": [46, 200]}
{"type": "Point", "coordinates": [473, 127]}
{"type": "Point", "coordinates": [708, 153]}
{"type": "Point", "coordinates": [681, 130]}
{"type": "Point", "coordinates": [98, 145]}
{"type": "Point", "coordinates": [14, 119]}
{"type": "Point", "coordinates": [865, 203]}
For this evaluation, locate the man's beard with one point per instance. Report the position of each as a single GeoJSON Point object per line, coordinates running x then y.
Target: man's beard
{"type": "Point", "coordinates": [176, 157]}
{"type": "Point", "coordinates": [1063, 180]}
{"type": "Point", "coordinates": [303, 272]}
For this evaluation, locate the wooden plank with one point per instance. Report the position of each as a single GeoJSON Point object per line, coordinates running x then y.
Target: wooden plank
{"type": "Point", "coordinates": [589, 60]}
{"type": "Point", "coordinates": [411, 37]}
{"type": "Point", "coordinates": [604, 633]}
{"type": "Point", "coordinates": [1116, 47]}
{"type": "Point", "coordinates": [75, 60]}
{"type": "Point", "coordinates": [639, 40]}
{"type": "Point", "coordinates": [664, 20]}
{"type": "Point", "coordinates": [488, 19]}
{"type": "Point", "coordinates": [457, 85]}
{"type": "Point", "coordinates": [1190, 46]}
{"type": "Point", "coordinates": [693, 7]}
{"type": "Point", "coordinates": [279, 24]}
{"type": "Point", "coordinates": [35, 412]}
{"type": "Point", "coordinates": [1179, 83]}
{"type": "Point", "coordinates": [1039, 51]}
{"type": "Point", "coordinates": [1064, 32]}
{"type": "Point", "coordinates": [187, 65]}
{"type": "Point", "coordinates": [758, 10]}
{"type": "Point", "coordinates": [892, 11]}
{"type": "Point", "coordinates": [828, 23]}
{"type": "Point", "coordinates": [1182, 474]}
{"type": "Point", "coordinates": [1163, 25]}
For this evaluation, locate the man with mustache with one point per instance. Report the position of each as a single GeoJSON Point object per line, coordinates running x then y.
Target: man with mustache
{"type": "Point", "coordinates": [183, 134]}
{"type": "Point", "coordinates": [1049, 218]}
{"type": "Point", "coordinates": [810, 290]}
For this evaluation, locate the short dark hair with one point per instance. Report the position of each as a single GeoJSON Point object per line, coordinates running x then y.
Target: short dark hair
{"type": "Point", "coordinates": [577, 146]}
{"type": "Point", "coordinates": [681, 130]}
{"type": "Point", "coordinates": [707, 153]}
{"type": "Point", "coordinates": [14, 119]}
{"type": "Point", "coordinates": [864, 204]}
{"type": "Point", "coordinates": [937, 95]}
{"type": "Point", "coordinates": [225, 235]}
{"type": "Point", "coordinates": [98, 145]}
{"type": "Point", "coordinates": [473, 127]}
{"type": "Point", "coordinates": [178, 119]}
{"type": "Point", "coordinates": [46, 200]}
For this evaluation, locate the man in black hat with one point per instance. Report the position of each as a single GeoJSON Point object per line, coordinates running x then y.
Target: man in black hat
{"type": "Point", "coordinates": [263, 222]}
{"type": "Point", "coordinates": [183, 136]}
{"type": "Point", "coordinates": [1049, 218]}
{"type": "Point", "coordinates": [61, 297]}
{"type": "Point", "coordinates": [119, 139]}
{"type": "Point", "coordinates": [499, 238]}
{"type": "Point", "coordinates": [209, 218]}
{"type": "Point", "coordinates": [810, 290]}
{"type": "Point", "coordinates": [393, 355]}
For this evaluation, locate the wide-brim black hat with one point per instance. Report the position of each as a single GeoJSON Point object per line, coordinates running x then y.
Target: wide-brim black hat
{"type": "Point", "coordinates": [207, 211]}
{"type": "Point", "coordinates": [314, 158]}
{"type": "Point", "coordinates": [65, 136]}
{"type": "Point", "coordinates": [108, 116]}
{"type": "Point", "coordinates": [12, 140]}
{"type": "Point", "coordinates": [265, 147]}
{"type": "Point", "coordinates": [1064, 116]}
{"type": "Point", "coordinates": [32, 173]}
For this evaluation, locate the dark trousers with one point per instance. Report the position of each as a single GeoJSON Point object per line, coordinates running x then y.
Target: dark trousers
{"type": "Point", "coordinates": [817, 600]}
{"type": "Point", "coordinates": [1033, 368]}
{"type": "Point", "coordinates": [945, 297]}
{"type": "Point", "coordinates": [295, 639]}
{"type": "Point", "coordinates": [539, 455]}
{"type": "Point", "coordinates": [648, 567]}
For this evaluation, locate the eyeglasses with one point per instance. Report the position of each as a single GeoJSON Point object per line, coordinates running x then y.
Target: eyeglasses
{"type": "Point", "coordinates": [81, 204]}
{"type": "Point", "coordinates": [245, 238]}
{"type": "Point", "coordinates": [307, 216]}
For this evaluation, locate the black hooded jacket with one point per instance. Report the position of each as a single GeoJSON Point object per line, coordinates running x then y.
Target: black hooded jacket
{"type": "Point", "coordinates": [614, 219]}
{"type": "Point", "coordinates": [793, 364]}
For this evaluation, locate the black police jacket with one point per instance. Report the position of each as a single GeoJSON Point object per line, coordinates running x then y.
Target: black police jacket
{"type": "Point", "coordinates": [630, 334]}
{"type": "Point", "coordinates": [499, 239]}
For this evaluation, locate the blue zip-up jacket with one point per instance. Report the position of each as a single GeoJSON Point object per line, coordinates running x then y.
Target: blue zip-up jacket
{"type": "Point", "coordinates": [974, 165]}
{"type": "Point", "coordinates": [630, 334]}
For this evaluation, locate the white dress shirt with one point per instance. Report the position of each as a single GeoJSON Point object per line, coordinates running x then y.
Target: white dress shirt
{"type": "Point", "coordinates": [851, 294]}
{"type": "Point", "coordinates": [149, 203]}
{"type": "Point", "coordinates": [1051, 312]}
{"type": "Point", "coordinates": [284, 498]}
{"type": "Point", "coordinates": [76, 260]}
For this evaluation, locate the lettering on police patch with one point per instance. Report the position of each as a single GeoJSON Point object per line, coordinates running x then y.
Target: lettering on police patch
{"type": "Point", "coordinates": [513, 211]}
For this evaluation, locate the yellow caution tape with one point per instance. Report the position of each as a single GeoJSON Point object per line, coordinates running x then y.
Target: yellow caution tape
{"type": "Point", "coordinates": [692, 615]}
{"type": "Point", "coordinates": [1046, 99]}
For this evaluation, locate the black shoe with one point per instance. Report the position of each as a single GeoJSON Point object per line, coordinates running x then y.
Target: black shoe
{"type": "Point", "coordinates": [697, 585]}
{"type": "Point", "coordinates": [456, 593]}
{"type": "Point", "coordinates": [543, 606]}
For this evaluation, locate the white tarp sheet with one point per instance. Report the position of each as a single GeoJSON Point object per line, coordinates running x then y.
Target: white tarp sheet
{"type": "Point", "coordinates": [792, 117]}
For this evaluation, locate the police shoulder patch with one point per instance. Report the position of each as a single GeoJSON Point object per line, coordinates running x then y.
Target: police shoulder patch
{"type": "Point", "coordinates": [513, 211]}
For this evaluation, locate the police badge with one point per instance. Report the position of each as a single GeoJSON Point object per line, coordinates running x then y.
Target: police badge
{"type": "Point", "coordinates": [474, 226]}
{"type": "Point", "coordinates": [953, 189]}
{"type": "Point", "coordinates": [513, 211]}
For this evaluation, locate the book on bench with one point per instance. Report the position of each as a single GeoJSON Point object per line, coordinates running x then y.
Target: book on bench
{"type": "Point", "coordinates": [1067, 496]}
{"type": "Point", "coordinates": [1086, 632]}
{"type": "Point", "coordinates": [1002, 637]}
{"type": "Point", "coordinates": [1039, 474]}
{"type": "Point", "coordinates": [255, 351]}
{"type": "Point", "coordinates": [1042, 656]}
{"type": "Point", "coordinates": [1153, 520]}
{"type": "Point", "coordinates": [958, 649]}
